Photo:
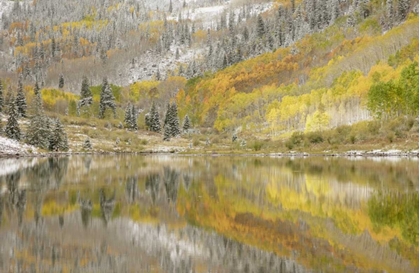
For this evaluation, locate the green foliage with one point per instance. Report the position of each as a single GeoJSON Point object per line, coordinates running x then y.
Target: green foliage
{"type": "Point", "coordinates": [396, 210]}
{"type": "Point", "coordinates": [12, 129]}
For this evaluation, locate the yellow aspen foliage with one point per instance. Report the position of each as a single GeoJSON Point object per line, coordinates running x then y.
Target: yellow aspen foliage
{"type": "Point", "coordinates": [318, 121]}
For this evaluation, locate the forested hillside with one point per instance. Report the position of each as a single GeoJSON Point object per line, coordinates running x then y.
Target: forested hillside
{"type": "Point", "coordinates": [254, 70]}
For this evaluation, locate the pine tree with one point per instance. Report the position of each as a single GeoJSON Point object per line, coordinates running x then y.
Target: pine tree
{"type": "Point", "coordinates": [260, 26]}
{"type": "Point", "coordinates": [134, 118]}
{"type": "Point", "coordinates": [174, 120]}
{"type": "Point", "coordinates": [167, 115]}
{"type": "Point", "coordinates": [128, 118]}
{"type": "Point", "coordinates": [154, 119]}
{"type": "Point", "coordinates": [167, 132]}
{"type": "Point", "coordinates": [58, 138]}
{"type": "Point", "coordinates": [85, 90]}
{"type": "Point", "coordinates": [87, 145]}
{"type": "Point", "coordinates": [170, 6]}
{"type": "Point", "coordinates": [403, 9]}
{"type": "Point", "coordinates": [12, 129]}
{"type": "Point", "coordinates": [107, 99]}
{"type": "Point", "coordinates": [187, 124]}
{"type": "Point", "coordinates": [1, 97]}
{"type": "Point", "coordinates": [21, 100]}
{"type": "Point", "coordinates": [38, 132]}
{"type": "Point", "coordinates": [61, 81]}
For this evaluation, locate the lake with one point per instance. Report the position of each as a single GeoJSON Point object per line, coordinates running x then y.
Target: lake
{"type": "Point", "coordinates": [169, 213]}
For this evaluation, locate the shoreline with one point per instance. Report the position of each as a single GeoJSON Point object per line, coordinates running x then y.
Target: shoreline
{"type": "Point", "coordinates": [348, 154]}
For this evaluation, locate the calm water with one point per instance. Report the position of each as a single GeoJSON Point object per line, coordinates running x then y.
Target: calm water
{"type": "Point", "coordinates": [208, 214]}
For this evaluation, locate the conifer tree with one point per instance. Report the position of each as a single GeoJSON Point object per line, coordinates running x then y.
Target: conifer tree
{"type": "Point", "coordinates": [21, 100]}
{"type": "Point", "coordinates": [12, 129]}
{"type": "Point", "coordinates": [134, 118]}
{"type": "Point", "coordinates": [170, 6]}
{"type": "Point", "coordinates": [127, 117]}
{"type": "Point", "coordinates": [61, 81]}
{"type": "Point", "coordinates": [167, 132]}
{"type": "Point", "coordinates": [187, 124]}
{"type": "Point", "coordinates": [38, 132]}
{"type": "Point", "coordinates": [1, 97]}
{"type": "Point", "coordinates": [107, 99]}
{"type": "Point", "coordinates": [174, 120]}
{"type": "Point", "coordinates": [85, 90]}
{"type": "Point", "coordinates": [154, 119]}
{"type": "Point", "coordinates": [87, 145]}
{"type": "Point", "coordinates": [58, 137]}
{"type": "Point", "coordinates": [260, 26]}
{"type": "Point", "coordinates": [167, 115]}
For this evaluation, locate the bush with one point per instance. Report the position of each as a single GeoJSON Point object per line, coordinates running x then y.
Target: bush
{"type": "Point", "coordinates": [257, 145]}
{"type": "Point", "coordinates": [315, 137]}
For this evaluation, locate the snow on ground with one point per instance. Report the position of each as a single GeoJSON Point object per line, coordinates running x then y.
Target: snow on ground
{"type": "Point", "coordinates": [12, 147]}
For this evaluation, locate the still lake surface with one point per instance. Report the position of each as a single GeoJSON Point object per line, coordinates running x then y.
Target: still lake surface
{"type": "Point", "coordinates": [163, 213]}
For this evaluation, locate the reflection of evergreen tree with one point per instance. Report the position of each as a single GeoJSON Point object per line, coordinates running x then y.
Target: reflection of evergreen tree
{"type": "Point", "coordinates": [61, 220]}
{"type": "Point", "coordinates": [12, 181]}
{"type": "Point", "coordinates": [21, 205]}
{"type": "Point", "coordinates": [170, 180]}
{"type": "Point", "coordinates": [1, 209]}
{"type": "Point", "coordinates": [107, 205]}
{"type": "Point", "coordinates": [152, 186]}
{"type": "Point", "coordinates": [86, 210]}
{"type": "Point", "coordinates": [131, 189]}
{"type": "Point", "coordinates": [58, 167]}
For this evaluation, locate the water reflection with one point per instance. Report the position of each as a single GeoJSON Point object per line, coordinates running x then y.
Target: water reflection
{"type": "Point", "coordinates": [208, 214]}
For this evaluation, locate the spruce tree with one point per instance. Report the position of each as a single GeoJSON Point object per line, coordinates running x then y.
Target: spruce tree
{"type": "Point", "coordinates": [58, 137]}
{"type": "Point", "coordinates": [167, 132]}
{"type": "Point", "coordinates": [21, 100]}
{"type": "Point", "coordinates": [38, 132]}
{"type": "Point", "coordinates": [61, 81]}
{"type": "Point", "coordinates": [1, 97]}
{"type": "Point", "coordinates": [87, 145]}
{"type": "Point", "coordinates": [167, 115]}
{"type": "Point", "coordinates": [128, 118]}
{"type": "Point", "coordinates": [154, 119]}
{"type": "Point", "coordinates": [107, 99]}
{"type": "Point", "coordinates": [260, 26]}
{"type": "Point", "coordinates": [187, 124]}
{"type": "Point", "coordinates": [134, 118]}
{"type": "Point", "coordinates": [12, 129]}
{"type": "Point", "coordinates": [174, 120]}
{"type": "Point", "coordinates": [85, 90]}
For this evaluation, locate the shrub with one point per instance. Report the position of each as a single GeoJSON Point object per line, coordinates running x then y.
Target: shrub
{"type": "Point", "coordinates": [315, 137]}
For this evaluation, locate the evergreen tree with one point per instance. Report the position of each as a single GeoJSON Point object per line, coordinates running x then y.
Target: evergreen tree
{"type": "Point", "coordinates": [85, 90]}
{"type": "Point", "coordinates": [38, 132]}
{"type": "Point", "coordinates": [174, 120]}
{"type": "Point", "coordinates": [127, 117]}
{"type": "Point", "coordinates": [134, 118]}
{"type": "Point", "coordinates": [154, 119]}
{"type": "Point", "coordinates": [167, 132]}
{"type": "Point", "coordinates": [58, 137]}
{"type": "Point", "coordinates": [61, 81]}
{"type": "Point", "coordinates": [87, 145]}
{"type": "Point", "coordinates": [187, 124]}
{"type": "Point", "coordinates": [260, 26]}
{"type": "Point", "coordinates": [403, 9]}
{"type": "Point", "coordinates": [21, 100]}
{"type": "Point", "coordinates": [107, 99]}
{"type": "Point", "coordinates": [12, 129]}
{"type": "Point", "coordinates": [170, 6]}
{"type": "Point", "coordinates": [167, 115]}
{"type": "Point", "coordinates": [1, 97]}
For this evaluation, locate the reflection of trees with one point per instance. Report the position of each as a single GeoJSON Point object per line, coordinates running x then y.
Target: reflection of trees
{"type": "Point", "coordinates": [187, 180]}
{"type": "Point", "coordinates": [152, 186]}
{"type": "Point", "coordinates": [86, 211]}
{"type": "Point", "coordinates": [21, 205]}
{"type": "Point", "coordinates": [1, 209]}
{"type": "Point", "coordinates": [395, 209]}
{"type": "Point", "coordinates": [107, 205]}
{"type": "Point", "coordinates": [58, 167]}
{"type": "Point", "coordinates": [170, 180]}
{"type": "Point", "coordinates": [131, 189]}
{"type": "Point", "coordinates": [12, 181]}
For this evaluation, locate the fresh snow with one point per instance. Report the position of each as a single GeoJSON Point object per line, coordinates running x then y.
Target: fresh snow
{"type": "Point", "coordinates": [12, 147]}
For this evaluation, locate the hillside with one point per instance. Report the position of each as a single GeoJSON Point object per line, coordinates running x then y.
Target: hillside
{"type": "Point", "coordinates": [250, 75]}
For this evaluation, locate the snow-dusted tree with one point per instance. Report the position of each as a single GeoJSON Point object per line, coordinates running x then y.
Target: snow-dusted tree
{"type": "Point", "coordinates": [107, 99]}
{"type": "Point", "coordinates": [58, 137]}
{"type": "Point", "coordinates": [170, 6]}
{"type": "Point", "coordinates": [154, 119]}
{"type": "Point", "coordinates": [87, 145]}
{"type": "Point", "coordinates": [1, 97]}
{"type": "Point", "coordinates": [167, 132]}
{"type": "Point", "coordinates": [403, 9]}
{"type": "Point", "coordinates": [260, 26]}
{"type": "Point", "coordinates": [134, 118]}
{"type": "Point", "coordinates": [187, 124]}
{"type": "Point", "coordinates": [61, 81]}
{"type": "Point", "coordinates": [12, 129]}
{"type": "Point", "coordinates": [174, 120]}
{"type": "Point", "coordinates": [127, 118]}
{"type": "Point", "coordinates": [38, 132]}
{"type": "Point", "coordinates": [20, 99]}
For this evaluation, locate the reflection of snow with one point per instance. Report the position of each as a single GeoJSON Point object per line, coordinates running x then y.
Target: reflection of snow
{"type": "Point", "coordinates": [12, 165]}
{"type": "Point", "coordinates": [9, 146]}
{"type": "Point", "coordinates": [153, 239]}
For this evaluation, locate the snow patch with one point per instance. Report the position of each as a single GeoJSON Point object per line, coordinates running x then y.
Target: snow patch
{"type": "Point", "coordinates": [12, 147]}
